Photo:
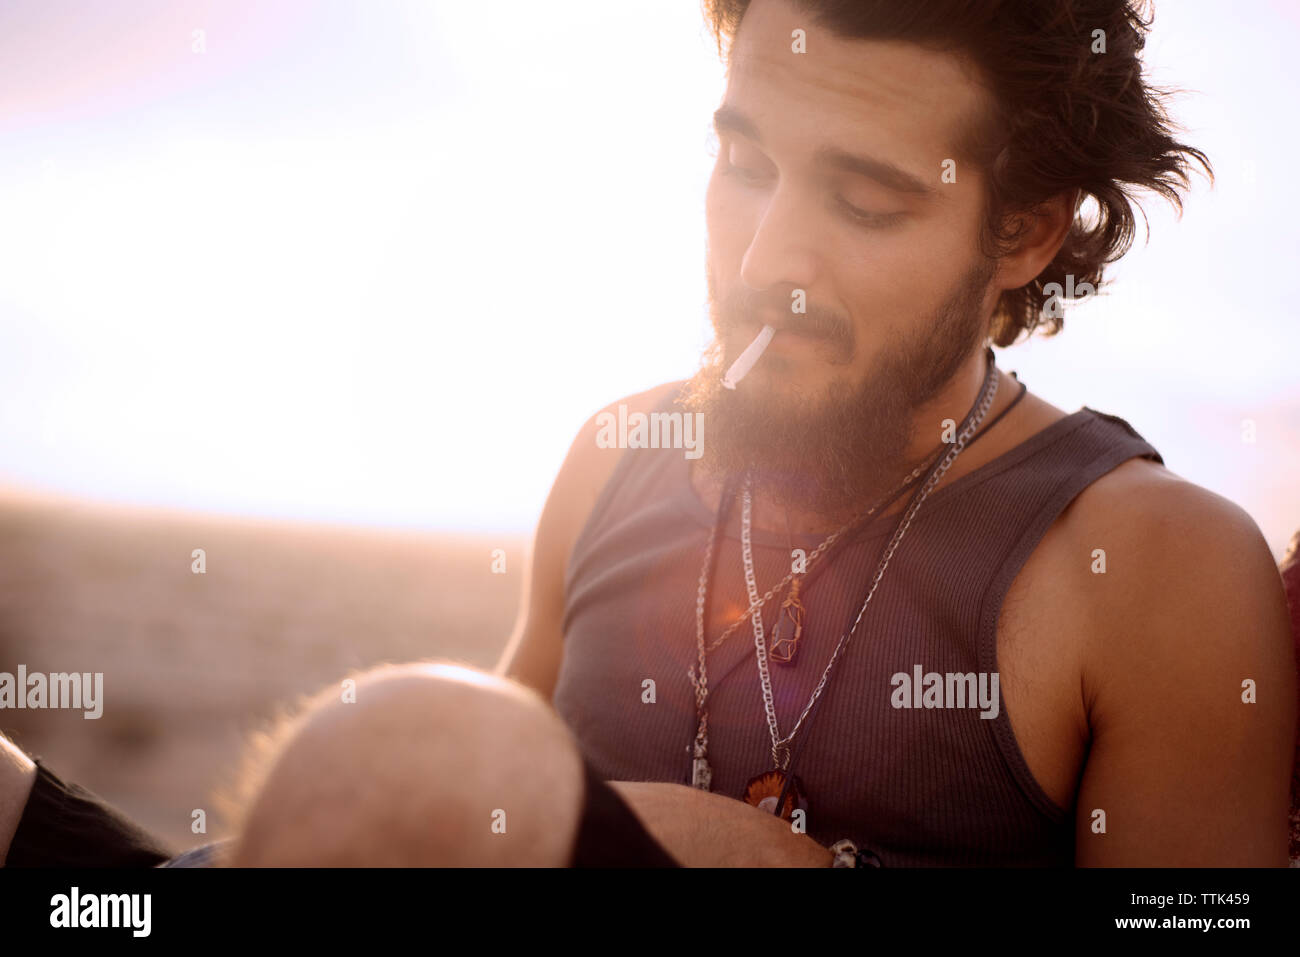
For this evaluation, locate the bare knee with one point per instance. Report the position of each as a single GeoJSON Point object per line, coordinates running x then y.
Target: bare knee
{"type": "Point", "coordinates": [430, 764]}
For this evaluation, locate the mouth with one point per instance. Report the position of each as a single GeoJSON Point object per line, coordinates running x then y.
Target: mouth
{"type": "Point", "coordinates": [790, 336]}
{"type": "Point", "coordinates": [785, 329]}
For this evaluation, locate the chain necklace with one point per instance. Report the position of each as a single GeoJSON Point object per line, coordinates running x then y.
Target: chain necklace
{"type": "Point", "coordinates": [702, 774]}
{"type": "Point", "coordinates": [773, 786]}
{"type": "Point", "coordinates": [808, 562]}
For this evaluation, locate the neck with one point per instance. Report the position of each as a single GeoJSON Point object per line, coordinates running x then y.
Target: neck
{"type": "Point", "coordinates": [953, 403]}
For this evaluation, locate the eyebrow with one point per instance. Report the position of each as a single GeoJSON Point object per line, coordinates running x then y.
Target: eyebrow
{"type": "Point", "coordinates": [729, 119]}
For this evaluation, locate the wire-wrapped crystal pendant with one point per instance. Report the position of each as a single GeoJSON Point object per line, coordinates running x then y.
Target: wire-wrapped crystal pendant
{"type": "Point", "coordinates": [789, 622]}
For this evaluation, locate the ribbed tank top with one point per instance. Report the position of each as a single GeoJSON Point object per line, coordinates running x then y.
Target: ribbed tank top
{"type": "Point", "coordinates": [918, 786]}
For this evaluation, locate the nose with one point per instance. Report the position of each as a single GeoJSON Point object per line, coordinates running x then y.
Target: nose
{"type": "Point", "coordinates": [782, 250]}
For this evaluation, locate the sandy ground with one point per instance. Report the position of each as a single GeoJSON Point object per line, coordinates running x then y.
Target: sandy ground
{"type": "Point", "coordinates": [193, 662]}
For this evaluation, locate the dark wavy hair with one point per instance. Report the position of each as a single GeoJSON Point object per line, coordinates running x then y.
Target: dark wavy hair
{"type": "Point", "coordinates": [1065, 118]}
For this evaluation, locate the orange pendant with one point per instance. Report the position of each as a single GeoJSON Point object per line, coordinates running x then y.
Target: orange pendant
{"type": "Point", "coordinates": [765, 790]}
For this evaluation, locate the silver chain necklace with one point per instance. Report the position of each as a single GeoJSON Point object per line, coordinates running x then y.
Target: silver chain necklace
{"type": "Point", "coordinates": [765, 788]}
{"type": "Point", "coordinates": [702, 772]}
{"type": "Point", "coordinates": [815, 554]}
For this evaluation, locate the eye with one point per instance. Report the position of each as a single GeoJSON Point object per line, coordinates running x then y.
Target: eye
{"type": "Point", "coordinates": [864, 218]}
{"type": "Point", "coordinates": [731, 167]}
{"type": "Point", "coordinates": [747, 176]}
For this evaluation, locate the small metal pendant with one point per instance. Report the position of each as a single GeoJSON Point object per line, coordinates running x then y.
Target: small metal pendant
{"type": "Point", "coordinates": [701, 774]}
{"type": "Point", "coordinates": [783, 649]}
{"type": "Point", "coordinates": [764, 791]}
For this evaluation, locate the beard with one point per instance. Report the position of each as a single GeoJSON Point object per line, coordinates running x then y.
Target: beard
{"type": "Point", "coordinates": [834, 449]}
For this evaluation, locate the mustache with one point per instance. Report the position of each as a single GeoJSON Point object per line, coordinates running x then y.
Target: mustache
{"type": "Point", "coordinates": [754, 309]}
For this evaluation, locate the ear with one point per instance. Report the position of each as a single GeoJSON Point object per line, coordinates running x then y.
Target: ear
{"type": "Point", "coordinates": [1042, 231]}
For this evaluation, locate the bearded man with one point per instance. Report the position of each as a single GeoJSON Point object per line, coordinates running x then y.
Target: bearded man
{"type": "Point", "coordinates": [901, 610]}
{"type": "Point", "coordinates": [897, 186]}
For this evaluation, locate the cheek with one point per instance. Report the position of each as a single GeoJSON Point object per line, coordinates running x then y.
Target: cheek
{"type": "Point", "coordinates": [888, 297]}
{"type": "Point", "coordinates": [905, 277]}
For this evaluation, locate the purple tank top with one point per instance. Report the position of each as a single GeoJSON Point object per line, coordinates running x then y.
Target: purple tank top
{"type": "Point", "coordinates": [933, 783]}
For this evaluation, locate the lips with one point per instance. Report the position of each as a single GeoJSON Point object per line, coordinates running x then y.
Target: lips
{"type": "Point", "coordinates": [786, 328]}
{"type": "Point", "coordinates": [803, 332]}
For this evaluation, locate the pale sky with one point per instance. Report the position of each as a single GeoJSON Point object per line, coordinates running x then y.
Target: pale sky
{"type": "Point", "coordinates": [377, 263]}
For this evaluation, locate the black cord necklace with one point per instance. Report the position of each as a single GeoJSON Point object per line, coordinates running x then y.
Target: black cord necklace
{"type": "Point", "coordinates": [731, 490]}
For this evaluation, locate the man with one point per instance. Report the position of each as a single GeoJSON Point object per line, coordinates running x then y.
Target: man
{"type": "Point", "coordinates": [1042, 649]}
{"type": "Point", "coordinates": [1126, 612]}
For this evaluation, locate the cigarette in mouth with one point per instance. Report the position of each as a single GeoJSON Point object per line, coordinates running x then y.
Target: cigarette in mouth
{"type": "Point", "coordinates": [746, 360]}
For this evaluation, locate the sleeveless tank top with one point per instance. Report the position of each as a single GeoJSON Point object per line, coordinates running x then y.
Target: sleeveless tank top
{"type": "Point", "coordinates": [930, 784]}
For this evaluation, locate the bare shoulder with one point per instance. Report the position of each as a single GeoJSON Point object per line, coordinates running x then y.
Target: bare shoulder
{"type": "Point", "coordinates": [533, 653]}
{"type": "Point", "coordinates": [1167, 523]}
{"type": "Point", "coordinates": [1186, 675]}
{"type": "Point", "coordinates": [1172, 576]}
{"type": "Point", "coordinates": [588, 465]}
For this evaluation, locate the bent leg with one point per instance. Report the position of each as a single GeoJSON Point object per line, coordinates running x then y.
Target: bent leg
{"type": "Point", "coordinates": [432, 765]}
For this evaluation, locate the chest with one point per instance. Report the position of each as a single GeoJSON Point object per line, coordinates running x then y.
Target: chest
{"type": "Point", "coordinates": [1040, 633]}
{"type": "Point", "coordinates": [931, 782]}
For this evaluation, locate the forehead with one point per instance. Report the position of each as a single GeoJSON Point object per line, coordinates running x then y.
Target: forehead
{"type": "Point", "coordinates": [890, 97]}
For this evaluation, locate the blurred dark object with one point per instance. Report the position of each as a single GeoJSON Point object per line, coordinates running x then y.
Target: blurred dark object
{"type": "Point", "coordinates": [1290, 569]}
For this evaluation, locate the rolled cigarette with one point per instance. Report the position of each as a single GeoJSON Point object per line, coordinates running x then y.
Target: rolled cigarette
{"type": "Point", "coordinates": [745, 361]}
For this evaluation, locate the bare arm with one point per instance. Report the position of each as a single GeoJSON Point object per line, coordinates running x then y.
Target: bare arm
{"type": "Point", "coordinates": [17, 775]}
{"type": "Point", "coordinates": [1187, 771]}
{"type": "Point", "coordinates": [533, 654]}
